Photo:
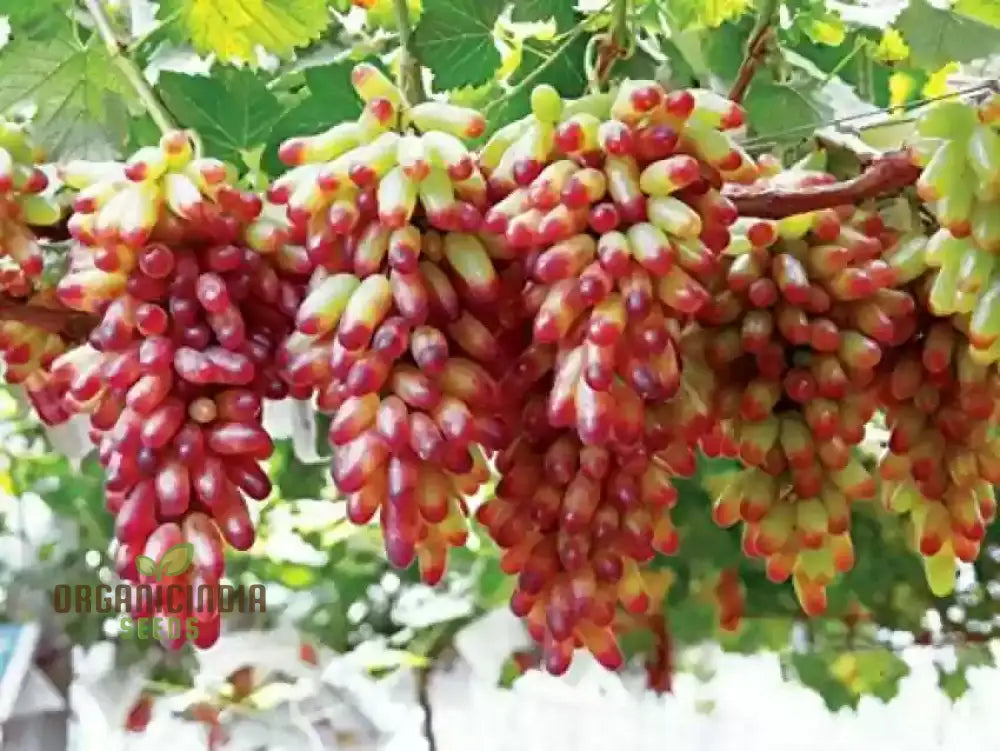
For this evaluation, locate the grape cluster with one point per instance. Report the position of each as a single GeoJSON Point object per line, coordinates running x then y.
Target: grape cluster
{"type": "Point", "coordinates": [174, 374]}
{"type": "Point", "coordinates": [26, 349]}
{"type": "Point", "coordinates": [802, 312]}
{"type": "Point", "coordinates": [398, 334]}
{"type": "Point", "coordinates": [611, 205]}
{"type": "Point", "coordinates": [943, 457]}
{"type": "Point", "coordinates": [959, 151]}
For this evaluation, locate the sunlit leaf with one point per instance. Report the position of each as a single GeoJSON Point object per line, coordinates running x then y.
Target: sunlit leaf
{"type": "Point", "coordinates": [829, 31]}
{"type": "Point", "coordinates": [234, 29]}
{"type": "Point", "coordinates": [987, 11]}
{"type": "Point", "coordinates": [937, 83]}
{"type": "Point", "coordinates": [891, 47]}
{"type": "Point", "coordinates": [901, 88]}
{"type": "Point", "coordinates": [709, 13]}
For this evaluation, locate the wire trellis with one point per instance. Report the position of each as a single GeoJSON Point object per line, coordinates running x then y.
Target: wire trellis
{"type": "Point", "coordinates": [753, 144]}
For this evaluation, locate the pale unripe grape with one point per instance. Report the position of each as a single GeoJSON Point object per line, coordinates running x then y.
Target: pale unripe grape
{"type": "Point", "coordinates": [546, 104]}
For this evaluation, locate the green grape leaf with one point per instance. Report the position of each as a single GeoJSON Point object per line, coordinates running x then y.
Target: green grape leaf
{"type": "Point", "coordinates": [455, 40]}
{"type": "Point", "coordinates": [813, 671]}
{"type": "Point", "coordinates": [937, 37]}
{"type": "Point", "coordinates": [953, 684]}
{"type": "Point", "coordinates": [330, 99]}
{"type": "Point", "coordinates": [871, 672]}
{"type": "Point", "coordinates": [294, 479]}
{"type": "Point", "coordinates": [75, 91]}
{"type": "Point", "coordinates": [175, 560]}
{"type": "Point", "coordinates": [987, 11]}
{"type": "Point", "coordinates": [232, 110]}
{"type": "Point", "coordinates": [145, 565]}
{"type": "Point", "coordinates": [233, 29]}
{"type": "Point", "coordinates": [722, 50]}
{"type": "Point", "coordinates": [40, 19]}
{"type": "Point", "coordinates": [528, 11]}
{"type": "Point", "coordinates": [809, 99]}
{"type": "Point", "coordinates": [691, 621]}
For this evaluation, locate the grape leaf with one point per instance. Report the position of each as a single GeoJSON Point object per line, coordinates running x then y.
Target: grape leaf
{"type": "Point", "coordinates": [813, 670]}
{"type": "Point", "coordinates": [808, 100]}
{"type": "Point", "coordinates": [685, 14]}
{"type": "Point", "coordinates": [330, 100]}
{"type": "Point", "coordinates": [233, 29]}
{"type": "Point", "coordinates": [954, 683]}
{"type": "Point", "coordinates": [455, 40]}
{"type": "Point", "coordinates": [39, 19]}
{"type": "Point", "coordinates": [871, 672]}
{"type": "Point", "coordinates": [233, 110]}
{"type": "Point", "coordinates": [175, 560]}
{"type": "Point", "coordinates": [145, 565]}
{"type": "Point", "coordinates": [76, 93]}
{"type": "Point", "coordinates": [293, 478]}
{"type": "Point", "coordinates": [987, 11]}
{"type": "Point", "coordinates": [937, 37]}
{"type": "Point", "coordinates": [561, 11]}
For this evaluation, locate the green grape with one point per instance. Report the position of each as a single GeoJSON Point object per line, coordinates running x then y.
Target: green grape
{"type": "Point", "coordinates": [975, 270]}
{"type": "Point", "coordinates": [984, 154]}
{"type": "Point", "coordinates": [546, 104]}
{"type": "Point", "coordinates": [954, 210]}
{"type": "Point", "coordinates": [986, 226]}
{"type": "Point", "coordinates": [945, 288]}
{"type": "Point", "coordinates": [940, 572]}
{"type": "Point", "coordinates": [943, 247]}
{"type": "Point", "coordinates": [944, 172]}
{"type": "Point", "coordinates": [950, 120]}
{"type": "Point", "coordinates": [984, 327]}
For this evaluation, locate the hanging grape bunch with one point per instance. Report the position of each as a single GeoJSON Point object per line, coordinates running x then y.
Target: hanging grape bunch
{"type": "Point", "coordinates": [398, 332]}
{"type": "Point", "coordinates": [612, 204]}
{"type": "Point", "coordinates": [174, 374]}
{"type": "Point", "coordinates": [802, 313]}
{"type": "Point", "coordinates": [27, 349]}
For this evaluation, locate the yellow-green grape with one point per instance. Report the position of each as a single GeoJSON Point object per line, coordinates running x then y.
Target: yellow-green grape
{"type": "Point", "coordinates": [546, 104]}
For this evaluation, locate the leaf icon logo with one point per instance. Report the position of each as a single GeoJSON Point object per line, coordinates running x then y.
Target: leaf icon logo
{"type": "Point", "coordinates": [174, 562]}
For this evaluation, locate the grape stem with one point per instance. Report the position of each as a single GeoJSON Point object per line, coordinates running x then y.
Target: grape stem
{"type": "Point", "coordinates": [409, 77]}
{"type": "Point", "coordinates": [885, 175]}
{"type": "Point", "coordinates": [756, 49]}
{"type": "Point", "coordinates": [102, 24]}
{"type": "Point", "coordinates": [69, 324]}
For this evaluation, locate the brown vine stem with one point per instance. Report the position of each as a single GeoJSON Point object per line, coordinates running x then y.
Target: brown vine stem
{"type": "Point", "coordinates": [885, 175]}
{"type": "Point", "coordinates": [70, 324]}
{"type": "Point", "coordinates": [760, 39]}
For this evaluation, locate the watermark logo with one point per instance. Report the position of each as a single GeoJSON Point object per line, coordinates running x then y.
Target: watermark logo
{"type": "Point", "coordinates": [165, 608]}
{"type": "Point", "coordinates": [174, 562]}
